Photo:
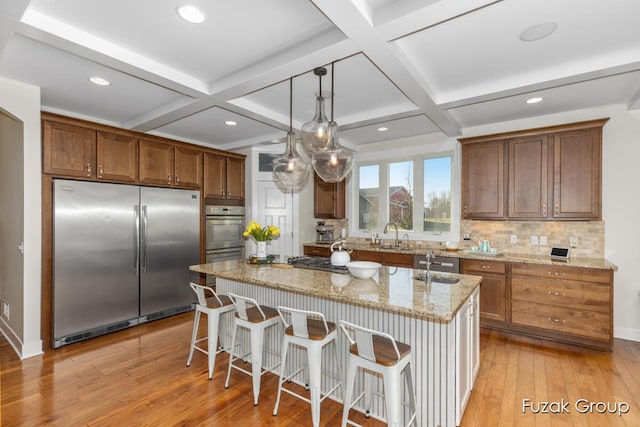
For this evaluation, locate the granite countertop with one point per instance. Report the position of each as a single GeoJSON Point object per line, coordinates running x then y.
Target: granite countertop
{"type": "Point", "coordinates": [392, 288]}
{"type": "Point", "coordinates": [582, 262]}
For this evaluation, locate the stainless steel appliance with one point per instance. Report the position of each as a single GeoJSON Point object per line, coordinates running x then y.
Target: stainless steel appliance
{"type": "Point", "coordinates": [437, 263]}
{"type": "Point", "coordinates": [317, 263]}
{"type": "Point", "coordinates": [224, 240]}
{"type": "Point", "coordinates": [121, 256]}
{"type": "Point", "coordinates": [324, 233]}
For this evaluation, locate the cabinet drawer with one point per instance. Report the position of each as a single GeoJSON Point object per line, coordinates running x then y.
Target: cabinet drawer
{"type": "Point", "coordinates": [562, 293]}
{"type": "Point", "coordinates": [577, 322]}
{"type": "Point", "coordinates": [317, 251]}
{"type": "Point", "coordinates": [480, 266]}
{"type": "Point", "coordinates": [562, 272]}
{"type": "Point", "coordinates": [369, 256]}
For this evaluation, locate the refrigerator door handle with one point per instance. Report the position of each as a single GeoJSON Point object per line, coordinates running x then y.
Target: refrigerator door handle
{"type": "Point", "coordinates": [136, 238]}
{"type": "Point", "coordinates": [144, 239]}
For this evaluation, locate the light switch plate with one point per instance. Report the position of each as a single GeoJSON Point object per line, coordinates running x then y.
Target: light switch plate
{"type": "Point", "coordinates": [514, 239]}
{"type": "Point", "coordinates": [534, 240]}
{"type": "Point", "coordinates": [543, 240]}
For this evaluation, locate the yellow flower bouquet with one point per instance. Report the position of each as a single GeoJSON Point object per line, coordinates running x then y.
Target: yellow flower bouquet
{"type": "Point", "coordinates": [260, 233]}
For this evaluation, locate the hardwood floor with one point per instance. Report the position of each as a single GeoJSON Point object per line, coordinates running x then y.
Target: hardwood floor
{"type": "Point", "coordinates": [138, 377]}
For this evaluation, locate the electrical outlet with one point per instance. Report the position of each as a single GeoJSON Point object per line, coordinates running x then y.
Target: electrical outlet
{"type": "Point", "coordinates": [466, 236]}
{"type": "Point", "coordinates": [534, 240]}
{"type": "Point", "coordinates": [514, 239]}
{"type": "Point", "coordinates": [573, 241]}
{"type": "Point", "coordinates": [5, 310]}
{"type": "Point", "coordinates": [543, 240]}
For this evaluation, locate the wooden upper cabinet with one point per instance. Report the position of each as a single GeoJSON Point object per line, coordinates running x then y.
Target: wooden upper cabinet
{"type": "Point", "coordinates": [235, 178]}
{"type": "Point", "coordinates": [577, 170]}
{"type": "Point", "coordinates": [553, 173]}
{"type": "Point", "coordinates": [116, 157]}
{"type": "Point", "coordinates": [68, 150]}
{"type": "Point", "coordinates": [188, 168]}
{"type": "Point", "coordinates": [529, 177]}
{"type": "Point", "coordinates": [483, 180]}
{"type": "Point", "coordinates": [224, 177]}
{"type": "Point", "coordinates": [156, 163]}
{"type": "Point", "coordinates": [328, 198]}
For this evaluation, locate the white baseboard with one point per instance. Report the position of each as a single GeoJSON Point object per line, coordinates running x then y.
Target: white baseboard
{"type": "Point", "coordinates": [23, 351]}
{"type": "Point", "coordinates": [632, 334]}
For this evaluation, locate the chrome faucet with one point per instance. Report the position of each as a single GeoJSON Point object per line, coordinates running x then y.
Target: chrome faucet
{"type": "Point", "coordinates": [406, 239]}
{"type": "Point", "coordinates": [386, 230]}
{"type": "Point", "coordinates": [429, 263]}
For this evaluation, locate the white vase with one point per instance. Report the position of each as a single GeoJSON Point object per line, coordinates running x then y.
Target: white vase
{"type": "Point", "coordinates": [261, 250]}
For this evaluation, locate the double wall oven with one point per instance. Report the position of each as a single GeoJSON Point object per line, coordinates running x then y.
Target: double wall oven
{"type": "Point", "coordinates": [224, 227]}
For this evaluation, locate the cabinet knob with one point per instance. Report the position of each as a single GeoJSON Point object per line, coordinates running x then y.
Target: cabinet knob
{"type": "Point", "coordinates": [88, 169]}
{"type": "Point", "coordinates": [100, 171]}
{"type": "Point", "coordinates": [223, 193]}
{"type": "Point", "coordinates": [168, 178]}
{"type": "Point", "coordinates": [555, 320]}
{"type": "Point", "coordinates": [556, 273]}
{"type": "Point", "coordinates": [177, 178]}
{"type": "Point", "coordinates": [485, 266]}
{"type": "Point", "coordinates": [544, 209]}
{"type": "Point", "coordinates": [465, 211]}
{"type": "Point", "coordinates": [556, 210]}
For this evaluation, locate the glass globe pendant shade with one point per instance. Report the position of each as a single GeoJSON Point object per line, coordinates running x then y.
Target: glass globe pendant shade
{"type": "Point", "coordinates": [334, 163]}
{"type": "Point", "coordinates": [315, 133]}
{"type": "Point", "coordinates": [290, 171]}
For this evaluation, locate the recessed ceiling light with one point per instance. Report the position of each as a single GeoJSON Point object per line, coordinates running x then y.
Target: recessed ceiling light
{"type": "Point", "coordinates": [230, 123]}
{"type": "Point", "coordinates": [382, 129]}
{"type": "Point", "coordinates": [190, 14]}
{"type": "Point", "coordinates": [538, 31]}
{"type": "Point", "coordinates": [99, 81]}
{"type": "Point", "coordinates": [534, 100]}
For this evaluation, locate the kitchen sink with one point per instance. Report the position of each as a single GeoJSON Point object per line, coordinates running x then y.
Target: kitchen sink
{"type": "Point", "coordinates": [438, 279]}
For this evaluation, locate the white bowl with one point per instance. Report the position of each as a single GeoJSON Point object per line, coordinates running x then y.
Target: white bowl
{"type": "Point", "coordinates": [363, 269]}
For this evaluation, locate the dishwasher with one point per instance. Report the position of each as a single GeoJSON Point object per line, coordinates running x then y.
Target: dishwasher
{"type": "Point", "coordinates": [442, 264]}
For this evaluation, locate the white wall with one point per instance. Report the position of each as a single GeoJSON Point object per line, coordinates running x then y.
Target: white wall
{"type": "Point", "coordinates": [22, 102]}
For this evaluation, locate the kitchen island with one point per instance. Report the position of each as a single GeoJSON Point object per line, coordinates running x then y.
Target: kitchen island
{"type": "Point", "coordinates": [436, 319]}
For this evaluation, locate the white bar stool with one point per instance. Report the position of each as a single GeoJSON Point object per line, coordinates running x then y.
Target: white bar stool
{"type": "Point", "coordinates": [213, 306]}
{"type": "Point", "coordinates": [256, 319]}
{"type": "Point", "coordinates": [310, 330]}
{"type": "Point", "coordinates": [378, 352]}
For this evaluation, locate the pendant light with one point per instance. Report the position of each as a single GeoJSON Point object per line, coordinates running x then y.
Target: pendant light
{"type": "Point", "coordinates": [335, 162]}
{"type": "Point", "coordinates": [290, 171]}
{"type": "Point", "coordinates": [315, 132]}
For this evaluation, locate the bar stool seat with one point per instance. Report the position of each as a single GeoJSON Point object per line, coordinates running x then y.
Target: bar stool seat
{"type": "Point", "coordinates": [378, 352]}
{"type": "Point", "coordinates": [256, 319]}
{"type": "Point", "coordinates": [311, 331]}
{"type": "Point", "coordinates": [213, 306]}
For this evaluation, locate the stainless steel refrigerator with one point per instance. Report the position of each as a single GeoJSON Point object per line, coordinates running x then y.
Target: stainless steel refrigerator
{"type": "Point", "coordinates": [121, 256]}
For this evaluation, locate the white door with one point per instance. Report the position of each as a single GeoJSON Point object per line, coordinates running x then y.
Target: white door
{"type": "Point", "coordinates": [276, 208]}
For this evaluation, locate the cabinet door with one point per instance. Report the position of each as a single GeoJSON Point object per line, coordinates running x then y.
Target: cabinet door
{"type": "Point", "coordinates": [317, 251]}
{"type": "Point", "coordinates": [156, 163]}
{"type": "Point", "coordinates": [215, 176]}
{"type": "Point", "coordinates": [483, 179]}
{"type": "Point", "coordinates": [188, 168]}
{"type": "Point", "coordinates": [68, 150]}
{"type": "Point", "coordinates": [475, 336]}
{"type": "Point", "coordinates": [398, 260]}
{"type": "Point", "coordinates": [328, 198]}
{"type": "Point", "coordinates": [528, 177]}
{"type": "Point", "coordinates": [577, 174]}
{"type": "Point", "coordinates": [116, 157]}
{"type": "Point", "coordinates": [464, 374]}
{"type": "Point", "coordinates": [235, 179]}
{"type": "Point", "coordinates": [368, 256]}
{"type": "Point", "coordinates": [493, 297]}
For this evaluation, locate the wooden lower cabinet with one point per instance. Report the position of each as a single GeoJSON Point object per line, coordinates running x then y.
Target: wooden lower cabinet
{"type": "Point", "coordinates": [385, 258]}
{"type": "Point", "coordinates": [317, 251]}
{"type": "Point", "coordinates": [493, 289]}
{"type": "Point", "coordinates": [566, 303]}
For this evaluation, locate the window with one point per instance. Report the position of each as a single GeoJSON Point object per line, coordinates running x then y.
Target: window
{"type": "Point", "coordinates": [413, 193]}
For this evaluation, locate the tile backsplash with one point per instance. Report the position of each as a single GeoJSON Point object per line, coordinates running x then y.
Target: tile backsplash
{"type": "Point", "coordinates": [587, 236]}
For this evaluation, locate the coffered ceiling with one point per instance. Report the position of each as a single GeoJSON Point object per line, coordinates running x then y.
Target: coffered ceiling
{"type": "Point", "coordinates": [413, 66]}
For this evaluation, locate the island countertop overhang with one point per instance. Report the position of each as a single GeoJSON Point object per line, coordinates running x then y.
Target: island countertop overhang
{"type": "Point", "coordinates": [393, 288]}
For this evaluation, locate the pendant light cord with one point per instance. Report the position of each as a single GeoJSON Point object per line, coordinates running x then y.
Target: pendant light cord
{"type": "Point", "coordinates": [332, 93]}
{"type": "Point", "coordinates": [291, 104]}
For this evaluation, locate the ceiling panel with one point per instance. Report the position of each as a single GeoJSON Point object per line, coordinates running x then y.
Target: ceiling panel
{"type": "Point", "coordinates": [209, 127]}
{"type": "Point", "coordinates": [234, 36]}
{"type": "Point", "coordinates": [481, 52]}
{"type": "Point", "coordinates": [396, 129]}
{"type": "Point", "coordinates": [63, 79]}
{"type": "Point", "coordinates": [604, 91]}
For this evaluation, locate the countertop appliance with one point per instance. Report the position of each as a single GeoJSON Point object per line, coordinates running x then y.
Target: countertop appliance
{"type": "Point", "coordinates": [121, 256]}
{"type": "Point", "coordinates": [324, 233]}
{"type": "Point", "coordinates": [317, 263]}
{"type": "Point", "coordinates": [223, 237]}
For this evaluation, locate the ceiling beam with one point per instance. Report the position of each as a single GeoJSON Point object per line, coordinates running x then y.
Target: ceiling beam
{"type": "Point", "coordinates": [350, 20]}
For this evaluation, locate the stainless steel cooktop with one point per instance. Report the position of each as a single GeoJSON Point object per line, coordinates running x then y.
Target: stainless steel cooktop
{"type": "Point", "coordinates": [316, 263]}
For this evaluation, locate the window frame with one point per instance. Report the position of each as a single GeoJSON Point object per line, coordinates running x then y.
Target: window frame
{"type": "Point", "coordinates": [418, 155]}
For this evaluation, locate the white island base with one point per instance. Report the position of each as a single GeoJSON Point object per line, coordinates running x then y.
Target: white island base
{"type": "Point", "coordinates": [444, 354]}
